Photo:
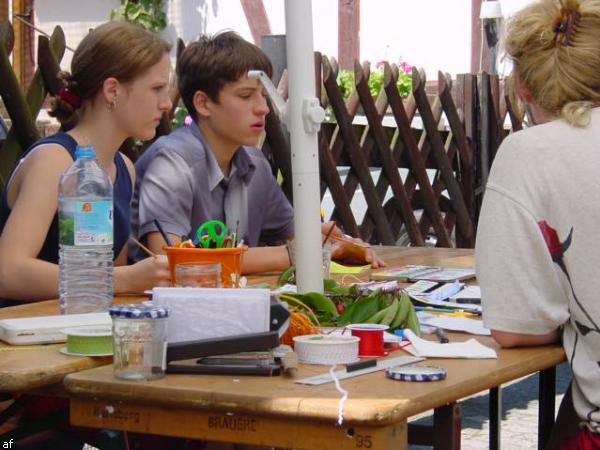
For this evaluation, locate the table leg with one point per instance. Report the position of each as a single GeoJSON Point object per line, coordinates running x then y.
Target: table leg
{"type": "Point", "coordinates": [547, 394]}
{"type": "Point", "coordinates": [447, 426]}
{"type": "Point", "coordinates": [495, 410]}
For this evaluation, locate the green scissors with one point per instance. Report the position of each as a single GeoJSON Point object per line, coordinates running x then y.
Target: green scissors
{"type": "Point", "coordinates": [211, 234]}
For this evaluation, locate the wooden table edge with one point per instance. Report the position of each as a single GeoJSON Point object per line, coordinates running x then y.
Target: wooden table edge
{"type": "Point", "coordinates": [84, 389]}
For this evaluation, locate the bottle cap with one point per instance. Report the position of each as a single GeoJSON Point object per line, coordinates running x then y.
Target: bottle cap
{"type": "Point", "coordinates": [416, 372]}
{"type": "Point", "coordinates": [145, 310]}
{"type": "Point", "coordinates": [85, 151]}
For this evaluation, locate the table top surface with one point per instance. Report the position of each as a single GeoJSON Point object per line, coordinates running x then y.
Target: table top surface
{"type": "Point", "coordinates": [29, 367]}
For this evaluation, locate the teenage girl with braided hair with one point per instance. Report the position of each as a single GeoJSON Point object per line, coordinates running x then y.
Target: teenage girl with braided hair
{"type": "Point", "coordinates": [118, 88]}
{"type": "Point", "coordinates": [537, 253]}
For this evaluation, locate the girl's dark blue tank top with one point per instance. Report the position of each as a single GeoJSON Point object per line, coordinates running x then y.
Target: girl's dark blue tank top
{"type": "Point", "coordinates": [122, 191]}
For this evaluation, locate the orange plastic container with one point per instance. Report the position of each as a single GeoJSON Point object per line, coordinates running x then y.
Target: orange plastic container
{"type": "Point", "coordinates": [230, 259]}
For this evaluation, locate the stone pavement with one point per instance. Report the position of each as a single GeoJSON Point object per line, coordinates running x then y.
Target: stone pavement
{"type": "Point", "coordinates": [519, 414]}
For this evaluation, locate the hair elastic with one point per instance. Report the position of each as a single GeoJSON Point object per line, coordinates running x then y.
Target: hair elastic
{"type": "Point", "coordinates": [70, 97]}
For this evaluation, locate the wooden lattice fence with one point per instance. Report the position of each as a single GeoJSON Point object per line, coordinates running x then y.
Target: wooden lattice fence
{"type": "Point", "coordinates": [439, 191]}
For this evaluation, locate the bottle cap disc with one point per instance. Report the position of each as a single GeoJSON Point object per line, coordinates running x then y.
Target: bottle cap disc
{"type": "Point", "coordinates": [416, 372]}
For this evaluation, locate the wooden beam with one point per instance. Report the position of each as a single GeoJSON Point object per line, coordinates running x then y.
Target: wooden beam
{"type": "Point", "coordinates": [348, 33]}
{"type": "Point", "coordinates": [256, 15]}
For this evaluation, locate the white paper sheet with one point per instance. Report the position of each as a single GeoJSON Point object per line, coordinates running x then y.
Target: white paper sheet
{"type": "Point", "coordinates": [428, 349]}
{"type": "Point", "coordinates": [454, 323]}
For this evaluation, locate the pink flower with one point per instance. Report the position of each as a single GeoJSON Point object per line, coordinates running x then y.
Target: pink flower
{"type": "Point", "coordinates": [405, 67]}
{"type": "Point", "coordinates": [188, 120]}
{"type": "Point", "coordinates": [380, 64]}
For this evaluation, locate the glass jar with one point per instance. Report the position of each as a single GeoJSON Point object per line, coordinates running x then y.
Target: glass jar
{"type": "Point", "coordinates": [139, 341]}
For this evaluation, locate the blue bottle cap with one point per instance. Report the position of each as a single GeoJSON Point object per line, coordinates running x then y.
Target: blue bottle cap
{"type": "Point", "coordinates": [85, 151]}
{"type": "Point", "coordinates": [146, 310]}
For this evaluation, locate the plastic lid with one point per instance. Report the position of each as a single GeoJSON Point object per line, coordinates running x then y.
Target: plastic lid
{"type": "Point", "coordinates": [416, 373]}
{"type": "Point", "coordinates": [146, 310]}
{"type": "Point", "coordinates": [85, 151]}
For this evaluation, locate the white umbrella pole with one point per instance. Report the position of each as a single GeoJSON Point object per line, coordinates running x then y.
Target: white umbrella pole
{"type": "Point", "coordinates": [304, 116]}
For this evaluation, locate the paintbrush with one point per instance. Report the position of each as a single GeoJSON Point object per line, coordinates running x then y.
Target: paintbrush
{"type": "Point", "coordinates": [143, 247]}
{"type": "Point", "coordinates": [328, 233]}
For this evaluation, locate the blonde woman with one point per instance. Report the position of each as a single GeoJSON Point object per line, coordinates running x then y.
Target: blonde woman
{"type": "Point", "coordinates": [537, 249]}
{"type": "Point", "coordinates": [118, 88]}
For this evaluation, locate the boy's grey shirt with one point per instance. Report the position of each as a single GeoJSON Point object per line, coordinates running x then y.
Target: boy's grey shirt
{"type": "Point", "coordinates": [180, 183]}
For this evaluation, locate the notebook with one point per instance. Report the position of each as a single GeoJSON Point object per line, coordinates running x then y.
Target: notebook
{"type": "Point", "coordinates": [47, 329]}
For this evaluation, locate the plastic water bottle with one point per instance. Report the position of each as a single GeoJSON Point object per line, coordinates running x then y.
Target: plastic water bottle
{"type": "Point", "coordinates": [85, 217]}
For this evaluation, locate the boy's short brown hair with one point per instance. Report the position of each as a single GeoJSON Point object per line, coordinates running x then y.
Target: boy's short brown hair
{"type": "Point", "coordinates": [211, 61]}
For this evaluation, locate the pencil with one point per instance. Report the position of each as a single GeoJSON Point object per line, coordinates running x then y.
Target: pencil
{"type": "Point", "coordinates": [164, 235]}
{"type": "Point", "coordinates": [329, 233]}
{"type": "Point", "coordinates": [143, 247]}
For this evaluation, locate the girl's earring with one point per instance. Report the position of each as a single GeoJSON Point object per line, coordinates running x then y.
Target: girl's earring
{"type": "Point", "coordinates": [112, 105]}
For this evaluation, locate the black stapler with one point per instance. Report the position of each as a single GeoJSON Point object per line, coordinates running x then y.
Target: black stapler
{"type": "Point", "coordinates": [246, 354]}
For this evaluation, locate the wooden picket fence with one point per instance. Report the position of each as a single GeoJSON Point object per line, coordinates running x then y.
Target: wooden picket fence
{"type": "Point", "coordinates": [432, 163]}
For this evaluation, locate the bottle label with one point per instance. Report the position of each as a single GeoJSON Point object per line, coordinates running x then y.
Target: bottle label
{"type": "Point", "coordinates": [85, 223]}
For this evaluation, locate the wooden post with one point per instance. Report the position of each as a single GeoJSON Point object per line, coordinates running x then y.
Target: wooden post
{"type": "Point", "coordinates": [348, 33]}
{"type": "Point", "coordinates": [23, 49]}
{"type": "Point", "coordinates": [18, 6]}
{"type": "Point", "coordinates": [256, 15]}
{"type": "Point", "coordinates": [3, 10]}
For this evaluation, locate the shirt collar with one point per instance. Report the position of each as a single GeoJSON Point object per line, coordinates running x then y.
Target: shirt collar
{"type": "Point", "coordinates": [242, 165]}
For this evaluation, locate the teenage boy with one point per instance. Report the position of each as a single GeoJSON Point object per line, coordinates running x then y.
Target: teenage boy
{"type": "Point", "coordinates": [211, 169]}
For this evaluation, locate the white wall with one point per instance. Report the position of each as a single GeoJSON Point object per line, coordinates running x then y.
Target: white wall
{"type": "Point", "coordinates": [434, 34]}
{"type": "Point", "coordinates": [75, 21]}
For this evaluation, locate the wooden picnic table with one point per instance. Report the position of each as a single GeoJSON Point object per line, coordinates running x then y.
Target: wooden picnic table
{"type": "Point", "coordinates": [276, 411]}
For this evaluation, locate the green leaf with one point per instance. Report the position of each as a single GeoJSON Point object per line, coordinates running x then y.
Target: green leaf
{"type": "Point", "coordinates": [287, 276]}
{"type": "Point", "coordinates": [133, 11]}
{"type": "Point", "coordinates": [364, 309]}
{"type": "Point", "coordinates": [346, 317]}
{"type": "Point", "coordinates": [319, 302]}
{"type": "Point", "coordinates": [146, 13]}
{"type": "Point", "coordinates": [334, 287]}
